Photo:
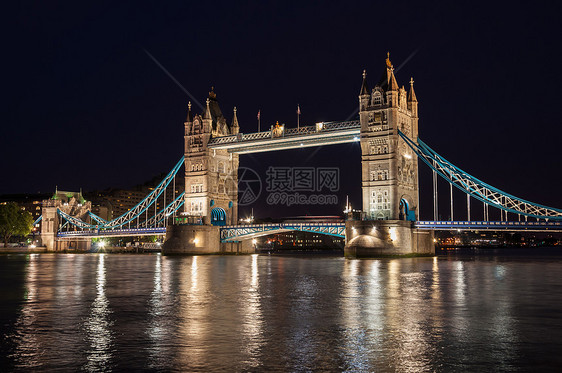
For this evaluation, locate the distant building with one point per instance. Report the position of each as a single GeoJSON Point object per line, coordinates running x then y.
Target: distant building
{"type": "Point", "coordinates": [29, 202]}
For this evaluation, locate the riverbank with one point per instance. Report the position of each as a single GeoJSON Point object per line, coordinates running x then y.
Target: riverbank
{"type": "Point", "coordinates": [23, 250]}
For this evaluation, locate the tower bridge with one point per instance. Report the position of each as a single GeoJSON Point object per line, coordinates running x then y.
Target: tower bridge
{"type": "Point", "coordinates": [204, 219]}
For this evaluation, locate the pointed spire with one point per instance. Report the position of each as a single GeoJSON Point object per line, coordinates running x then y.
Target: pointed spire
{"type": "Point", "coordinates": [364, 88]}
{"type": "Point", "coordinates": [235, 119]}
{"type": "Point", "coordinates": [207, 111]}
{"type": "Point", "coordinates": [189, 116]}
{"type": "Point", "coordinates": [392, 84]}
{"type": "Point", "coordinates": [412, 95]}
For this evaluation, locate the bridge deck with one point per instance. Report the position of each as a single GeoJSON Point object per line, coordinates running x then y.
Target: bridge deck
{"type": "Point", "coordinates": [113, 233]}
{"type": "Point", "coordinates": [534, 226]}
{"type": "Point", "coordinates": [238, 232]}
{"type": "Point", "coordinates": [243, 232]}
{"type": "Point", "coordinates": [320, 134]}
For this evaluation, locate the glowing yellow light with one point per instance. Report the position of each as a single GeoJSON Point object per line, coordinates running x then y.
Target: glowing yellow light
{"type": "Point", "coordinates": [254, 241]}
{"type": "Point", "coordinates": [392, 232]}
{"type": "Point", "coordinates": [195, 241]}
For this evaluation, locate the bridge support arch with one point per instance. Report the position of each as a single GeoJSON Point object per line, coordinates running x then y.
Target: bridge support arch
{"type": "Point", "coordinates": [378, 238]}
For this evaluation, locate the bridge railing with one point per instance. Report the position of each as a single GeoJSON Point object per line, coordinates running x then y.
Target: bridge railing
{"type": "Point", "coordinates": [240, 232]}
{"type": "Point", "coordinates": [489, 224]}
{"type": "Point", "coordinates": [113, 232]}
{"type": "Point", "coordinates": [304, 130]}
{"type": "Point", "coordinates": [281, 224]}
{"type": "Point", "coordinates": [256, 136]}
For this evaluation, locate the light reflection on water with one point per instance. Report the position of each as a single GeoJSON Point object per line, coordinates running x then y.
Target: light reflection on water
{"type": "Point", "coordinates": [252, 316]}
{"type": "Point", "coordinates": [250, 313]}
{"type": "Point", "coordinates": [98, 325]}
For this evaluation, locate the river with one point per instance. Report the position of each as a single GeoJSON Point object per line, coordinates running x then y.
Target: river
{"type": "Point", "coordinates": [495, 310]}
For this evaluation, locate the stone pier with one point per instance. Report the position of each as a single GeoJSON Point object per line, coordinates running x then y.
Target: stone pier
{"type": "Point", "coordinates": [75, 244]}
{"type": "Point", "coordinates": [380, 238]}
{"type": "Point", "coordinates": [201, 239]}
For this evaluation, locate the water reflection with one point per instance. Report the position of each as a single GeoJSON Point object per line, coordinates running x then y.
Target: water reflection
{"type": "Point", "coordinates": [354, 335]}
{"type": "Point", "coordinates": [415, 350]}
{"type": "Point", "coordinates": [252, 322]}
{"type": "Point", "coordinates": [98, 325]}
{"type": "Point", "coordinates": [28, 351]}
{"type": "Point", "coordinates": [503, 321]}
{"type": "Point", "coordinates": [193, 323]}
{"type": "Point", "coordinates": [261, 313]}
{"type": "Point", "coordinates": [160, 327]}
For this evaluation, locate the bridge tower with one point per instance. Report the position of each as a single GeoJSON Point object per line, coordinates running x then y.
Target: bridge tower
{"type": "Point", "coordinates": [71, 203]}
{"type": "Point", "coordinates": [389, 173]}
{"type": "Point", "coordinates": [211, 176]}
{"type": "Point", "coordinates": [389, 167]}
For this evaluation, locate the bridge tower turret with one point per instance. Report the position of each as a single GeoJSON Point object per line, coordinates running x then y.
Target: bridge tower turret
{"type": "Point", "coordinates": [211, 176]}
{"type": "Point", "coordinates": [389, 167]}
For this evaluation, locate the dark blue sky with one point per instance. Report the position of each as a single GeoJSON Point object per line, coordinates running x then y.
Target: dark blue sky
{"type": "Point", "coordinates": [85, 106]}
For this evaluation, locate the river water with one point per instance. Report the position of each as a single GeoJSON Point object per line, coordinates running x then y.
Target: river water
{"type": "Point", "coordinates": [493, 311]}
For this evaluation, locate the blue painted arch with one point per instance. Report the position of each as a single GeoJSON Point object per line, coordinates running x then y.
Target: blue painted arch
{"type": "Point", "coordinates": [405, 212]}
{"type": "Point", "coordinates": [218, 216]}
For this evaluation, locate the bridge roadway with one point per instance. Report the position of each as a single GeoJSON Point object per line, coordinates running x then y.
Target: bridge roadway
{"type": "Point", "coordinates": [529, 226]}
{"type": "Point", "coordinates": [233, 233]}
{"type": "Point", "coordinates": [243, 232]}
{"type": "Point", "coordinates": [325, 133]}
{"type": "Point", "coordinates": [159, 231]}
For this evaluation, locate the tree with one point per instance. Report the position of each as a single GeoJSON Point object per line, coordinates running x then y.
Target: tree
{"type": "Point", "coordinates": [14, 221]}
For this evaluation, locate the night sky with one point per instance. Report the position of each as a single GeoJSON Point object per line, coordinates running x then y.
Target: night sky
{"type": "Point", "coordinates": [85, 106]}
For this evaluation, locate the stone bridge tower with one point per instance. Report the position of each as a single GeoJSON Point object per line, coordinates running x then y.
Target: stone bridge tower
{"type": "Point", "coordinates": [389, 167]}
{"type": "Point", "coordinates": [389, 174]}
{"type": "Point", "coordinates": [73, 204]}
{"type": "Point", "coordinates": [211, 176]}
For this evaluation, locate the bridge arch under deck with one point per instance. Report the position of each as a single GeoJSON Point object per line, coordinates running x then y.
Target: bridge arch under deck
{"type": "Point", "coordinates": [236, 233]}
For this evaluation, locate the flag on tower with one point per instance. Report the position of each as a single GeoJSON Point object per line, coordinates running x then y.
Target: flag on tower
{"type": "Point", "coordinates": [298, 110]}
{"type": "Point", "coordinates": [259, 114]}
